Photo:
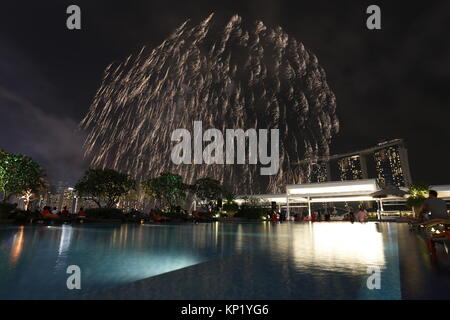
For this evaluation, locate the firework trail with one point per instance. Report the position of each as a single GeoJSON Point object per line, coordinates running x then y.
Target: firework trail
{"type": "Point", "coordinates": [228, 77]}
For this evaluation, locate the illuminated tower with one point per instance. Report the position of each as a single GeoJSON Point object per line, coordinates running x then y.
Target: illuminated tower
{"type": "Point", "coordinates": [392, 166]}
{"type": "Point", "coordinates": [320, 172]}
{"type": "Point", "coordinates": [350, 168]}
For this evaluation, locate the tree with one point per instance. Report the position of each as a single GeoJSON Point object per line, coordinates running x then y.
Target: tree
{"type": "Point", "coordinates": [229, 196]}
{"type": "Point", "coordinates": [104, 186]}
{"type": "Point", "coordinates": [253, 208]}
{"type": "Point", "coordinates": [417, 194]}
{"type": "Point", "coordinates": [19, 175]}
{"type": "Point", "coordinates": [168, 189]}
{"type": "Point", "coordinates": [230, 205]}
{"type": "Point", "coordinates": [130, 200]}
{"type": "Point", "coordinates": [4, 172]}
{"type": "Point", "coordinates": [207, 190]}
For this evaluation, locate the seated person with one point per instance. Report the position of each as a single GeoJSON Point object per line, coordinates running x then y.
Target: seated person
{"type": "Point", "coordinates": [65, 212]}
{"type": "Point", "coordinates": [81, 213]}
{"type": "Point", "coordinates": [362, 215]}
{"type": "Point", "coordinates": [434, 208]}
{"type": "Point", "coordinates": [46, 213]}
{"type": "Point", "coordinates": [156, 217]}
{"type": "Point", "coordinates": [274, 217]}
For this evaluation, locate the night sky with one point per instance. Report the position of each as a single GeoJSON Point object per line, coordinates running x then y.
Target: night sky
{"type": "Point", "coordinates": [389, 83]}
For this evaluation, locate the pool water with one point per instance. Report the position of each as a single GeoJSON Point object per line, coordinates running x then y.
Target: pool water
{"type": "Point", "coordinates": [288, 260]}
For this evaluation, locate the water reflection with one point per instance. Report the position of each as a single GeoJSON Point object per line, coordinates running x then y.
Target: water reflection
{"type": "Point", "coordinates": [17, 245]}
{"type": "Point", "coordinates": [66, 236]}
{"type": "Point", "coordinates": [331, 247]}
{"type": "Point", "coordinates": [113, 255]}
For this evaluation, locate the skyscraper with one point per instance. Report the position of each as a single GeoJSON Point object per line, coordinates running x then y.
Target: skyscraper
{"type": "Point", "coordinates": [387, 161]}
{"type": "Point", "coordinates": [392, 166]}
{"type": "Point", "coordinates": [320, 172]}
{"type": "Point", "coordinates": [350, 168]}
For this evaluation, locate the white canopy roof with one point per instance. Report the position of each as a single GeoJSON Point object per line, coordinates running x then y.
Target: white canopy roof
{"type": "Point", "coordinates": [363, 187]}
{"type": "Point", "coordinates": [333, 191]}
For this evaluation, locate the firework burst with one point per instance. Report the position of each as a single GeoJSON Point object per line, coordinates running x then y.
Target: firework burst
{"type": "Point", "coordinates": [228, 77]}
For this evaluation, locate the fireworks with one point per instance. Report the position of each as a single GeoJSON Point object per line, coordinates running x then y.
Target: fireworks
{"type": "Point", "coordinates": [226, 77]}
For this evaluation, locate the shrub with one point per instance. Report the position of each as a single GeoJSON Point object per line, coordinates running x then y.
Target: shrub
{"type": "Point", "coordinates": [252, 212]}
{"type": "Point", "coordinates": [231, 207]}
{"type": "Point", "coordinates": [208, 214]}
{"type": "Point", "coordinates": [104, 213]}
{"type": "Point", "coordinates": [135, 214]}
{"type": "Point", "coordinates": [173, 215]}
{"type": "Point", "coordinates": [22, 216]}
{"type": "Point", "coordinates": [417, 195]}
{"type": "Point", "coordinates": [6, 210]}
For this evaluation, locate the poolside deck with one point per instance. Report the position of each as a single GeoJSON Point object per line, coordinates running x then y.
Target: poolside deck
{"type": "Point", "coordinates": [420, 277]}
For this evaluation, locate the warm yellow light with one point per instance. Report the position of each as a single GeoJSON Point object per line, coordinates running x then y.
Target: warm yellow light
{"type": "Point", "coordinates": [332, 246]}
{"type": "Point", "coordinates": [17, 246]}
{"type": "Point", "coordinates": [343, 199]}
{"type": "Point", "coordinates": [333, 189]}
{"type": "Point", "coordinates": [280, 199]}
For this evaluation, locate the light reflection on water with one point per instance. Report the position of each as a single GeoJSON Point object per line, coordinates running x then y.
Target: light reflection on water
{"type": "Point", "coordinates": [33, 260]}
{"type": "Point", "coordinates": [350, 247]}
{"type": "Point", "coordinates": [17, 246]}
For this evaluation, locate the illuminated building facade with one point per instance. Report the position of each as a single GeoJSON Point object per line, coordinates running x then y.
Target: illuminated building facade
{"type": "Point", "coordinates": [320, 172]}
{"type": "Point", "coordinates": [387, 162]}
{"type": "Point", "coordinates": [392, 166]}
{"type": "Point", "coordinates": [350, 168]}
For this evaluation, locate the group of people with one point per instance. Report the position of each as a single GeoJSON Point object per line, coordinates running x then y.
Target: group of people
{"type": "Point", "coordinates": [275, 216]}
{"type": "Point", "coordinates": [48, 212]}
{"type": "Point", "coordinates": [320, 215]}
{"type": "Point", "coordinates": [325, 215]}
{"type": "Point", "coordinates": [360, 216]}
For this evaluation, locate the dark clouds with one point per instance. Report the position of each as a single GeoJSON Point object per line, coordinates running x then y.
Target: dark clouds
{"type": "Point", "coordinates": [388, 84]}
{"type": "Point", "coordinates": [28, 123]}
{"type": "Point", "coordinates": [397, 87]}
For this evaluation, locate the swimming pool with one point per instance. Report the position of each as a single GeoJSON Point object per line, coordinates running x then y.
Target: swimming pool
{"type": "Point", "coordinates": [326, 260]}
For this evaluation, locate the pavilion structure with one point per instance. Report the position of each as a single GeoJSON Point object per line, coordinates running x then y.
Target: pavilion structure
{"type": "Point", "coordinates": [304, 195]}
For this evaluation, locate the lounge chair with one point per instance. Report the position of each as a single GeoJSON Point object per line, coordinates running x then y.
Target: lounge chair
{"type": "Point", "coordinates": [198, 217]}
{"type": "Point", "coordinates": [442, 238]}
{"type": "Point", "coordinates": [428, 224]}
{"type": "Point", "coordinates": [157, 218]}
{"type": "Point", "coordinates": [52, 218]}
